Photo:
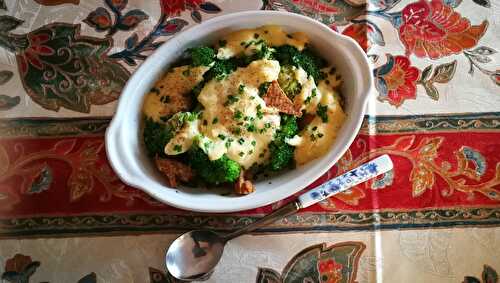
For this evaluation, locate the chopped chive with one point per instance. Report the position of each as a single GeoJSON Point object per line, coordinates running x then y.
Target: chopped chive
{"type": "Point", "coordinates": [241, 153]}
{"type": "Point", "coordinates": [215, 120]}
{"type": "Point", "coordinates": [321, 112]}
{"type": "Point", "coordinates": [221, 136]}
{"type": "Point", "coordinates": [251, 128]}
{"type": "Point", "coordinates": [320, 135]}
{"type": "Point", "coordinates": [241, 88]}
{"type": "Point", "coordinates": [314, 128]}
{"type": "Point", "coordinates": [177, 148]}
{"type": "Point", "coordinates": [238, 115]}
{"type": "Point", "coordinates": [253, 143]}
{"type": "Point", "coordinates": [255, 35]}
{"type": "Point", "coordinates": [241, 141]}
{"type": "Point", "coordinates": [231, 99]}
{"type": "Point", "coordinates": [155, 90]}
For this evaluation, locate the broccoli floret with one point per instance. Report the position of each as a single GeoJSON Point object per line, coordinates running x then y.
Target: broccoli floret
{"type": "Point", "coordinates": [222, 170]}
{"type": "Point", "coordinates": [202, 56]}
{"type": "Point", "coordinates": [262, 52]}
{"type": "Point", "coordinates": [307, 60]}
{"type": "Point", "coordinates": [281, 152]}
{"type": "Point", "coordinates": [288, 82]}
{"type": "Point", "coordinates": [156, 136]}
{"type": "Point", "coordinates": [220, 69]}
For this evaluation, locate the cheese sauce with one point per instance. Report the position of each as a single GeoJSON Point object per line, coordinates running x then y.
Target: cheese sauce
{"type": "Point", "coordinates": [235, 120]}
{"type": "Point", "coordinates": [318, 136]}
{"type": "Point", "coordinates": [239, 41]}
{"type": "Point", "coordinates": [171, 91]}
{"type": "Point", "coordinates": [308, 98]}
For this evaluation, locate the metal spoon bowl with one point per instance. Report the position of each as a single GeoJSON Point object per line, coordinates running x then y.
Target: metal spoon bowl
{"type": "Point", "coordinates": [194, 255]}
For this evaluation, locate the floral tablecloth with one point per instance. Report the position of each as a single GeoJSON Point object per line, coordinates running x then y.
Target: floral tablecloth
{"type": "Point", "coordinates": [66, 217]}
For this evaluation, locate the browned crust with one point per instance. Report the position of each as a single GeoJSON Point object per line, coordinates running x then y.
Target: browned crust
{"type": "Point", "coordinates": [276, 97]}
{"type": "Point", "coordinates": [174, 171]}
{"type": "Point", "coordinates": [242, 186]}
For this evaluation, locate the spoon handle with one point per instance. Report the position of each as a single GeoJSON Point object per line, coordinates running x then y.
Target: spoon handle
{"type": "Point", "coordinates": [336, 185]}
{"type": "Point", "coordinates": [279, 213]}
{"type": "Point", "coordinates": [363, 173]}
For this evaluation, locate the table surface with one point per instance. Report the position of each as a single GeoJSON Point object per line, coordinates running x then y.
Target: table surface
{"type": "Point", "coordinates": [66, 217]}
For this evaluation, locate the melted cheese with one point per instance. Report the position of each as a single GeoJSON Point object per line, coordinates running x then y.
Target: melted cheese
{"type": "Point", "coordinates": [306, 100]}
{"type": "Point", "coordinates": [175, 85]}
{"type": "Point", "coordinates": [238, 41]}
{"type": "Point", "coordinates": [183, 139]}
{"type": "Point", "coordinates": [318, 136]}
{"type": "Point", "coordinates": [222, 127]}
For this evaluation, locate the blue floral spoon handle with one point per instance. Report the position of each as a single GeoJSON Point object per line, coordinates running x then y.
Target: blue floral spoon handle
{"type": "Point", "coordinates": [363, 173]}
{"type": "Point", "coordinates": [371, 169]}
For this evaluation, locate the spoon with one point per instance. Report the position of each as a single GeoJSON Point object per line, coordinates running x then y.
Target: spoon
{"type": "Point", "coordinates": [194, 255]}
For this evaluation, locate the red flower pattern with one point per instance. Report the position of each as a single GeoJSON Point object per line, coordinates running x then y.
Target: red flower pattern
{"type": "Point", "coordinates": [396, 80]}
{"type": "Point", "coordinates": [31, 54]}
{"type": "Point", "coordinates": [175, 7]}
{"type": "Point", "coordinates": [330, 271]}
{"type": "Point", "coordinates": [18, 263]}
{"type": "Point", "coordinates": [432, 29]}
{"type": "Point", "coordinates": [360, 33]}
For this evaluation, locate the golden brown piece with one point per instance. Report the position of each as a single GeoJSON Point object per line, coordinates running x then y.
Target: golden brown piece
{"type": "Point", "coordinates": [242, 186]}
{"type": "Point", "coordinates": [174, 171]}
{"type": "Point", "coordinates": [276, 97]}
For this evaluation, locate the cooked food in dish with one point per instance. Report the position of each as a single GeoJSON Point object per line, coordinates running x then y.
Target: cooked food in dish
{"type": "Point", "coordinates": [258, 101]}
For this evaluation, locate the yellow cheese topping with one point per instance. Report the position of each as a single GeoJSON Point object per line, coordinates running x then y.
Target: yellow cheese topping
{"type": "Point", "coordinates": [235, 120]}
{"type": "Point", "coordinates": [309, 97]}
{"type": "Point", "coordinates": [241, 41]}
{"type": "Point", "coordinates": [171, 93]}
{"type": "Point", "coordinates": [318, 136]}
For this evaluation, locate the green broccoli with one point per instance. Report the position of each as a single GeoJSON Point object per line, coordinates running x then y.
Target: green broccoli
{"type": "Point", "coordinates": [202, 56]}
{"type": "Point", "coordinates": [288, 82]}
{"type": "Point", "coordinates": [307, 60]}
{"type": "Point", "coordinates": [262, 52]}
{"type": "Point", "coordinates": [281, 152]}
{"type": "Point", "coordinates": [222, 170]}
{"type": "Point", "coordinates": [156, 136]}
{"type": "Point", "coordinates": [220, 69]}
